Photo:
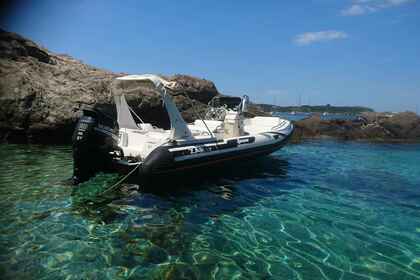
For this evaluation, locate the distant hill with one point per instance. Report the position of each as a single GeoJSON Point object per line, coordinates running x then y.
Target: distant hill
{"type": "Point", "coordinates": [319, 108]}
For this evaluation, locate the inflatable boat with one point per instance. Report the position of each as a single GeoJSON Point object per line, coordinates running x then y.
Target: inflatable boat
{"type": "Point", "coordinates": [130, 146]}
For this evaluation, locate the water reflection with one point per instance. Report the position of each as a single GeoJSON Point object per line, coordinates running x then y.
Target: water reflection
{"type": "Point", "coordinates": [157, 223]}
{"type": "Point", "coordinates": [228, 174]}
{"type": "Point", "coordinates": [225, 188]}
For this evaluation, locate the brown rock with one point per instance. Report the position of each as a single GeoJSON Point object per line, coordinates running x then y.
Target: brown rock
{"type": "Point", "coordinates": [404, 125]}
{"type": "Point", "coordinates": [377, 127]}
{"type": "Point", "coordinates": [41, 93]}
{"type": "Point", "coordinates": [14, 46]}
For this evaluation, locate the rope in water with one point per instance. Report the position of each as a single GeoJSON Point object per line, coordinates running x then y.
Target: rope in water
{"type": "Point", "coordinates": [121, 180]}
{"type": "Point", "coordinates": [128, 174]}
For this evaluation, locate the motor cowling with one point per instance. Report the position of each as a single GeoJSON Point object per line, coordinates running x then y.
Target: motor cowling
{"type": "Point", "coordinates": [93, 140]}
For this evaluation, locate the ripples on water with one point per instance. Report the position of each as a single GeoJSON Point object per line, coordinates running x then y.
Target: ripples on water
{"type": "Point", "coordinates": [319, 210]}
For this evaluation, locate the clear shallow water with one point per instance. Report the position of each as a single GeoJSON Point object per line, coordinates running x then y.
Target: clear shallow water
{"type": "Point", "coordinates": [319, 210]}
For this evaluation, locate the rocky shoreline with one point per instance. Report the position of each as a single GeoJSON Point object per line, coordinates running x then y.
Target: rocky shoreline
{"type": "Point", "coordinates": [42, 94]}
{"type": "Point", "coordinates": [374, 127]}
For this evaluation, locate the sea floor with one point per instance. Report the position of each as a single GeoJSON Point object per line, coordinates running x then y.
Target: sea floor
{"type": "Point", "coordinates": [317, 210]}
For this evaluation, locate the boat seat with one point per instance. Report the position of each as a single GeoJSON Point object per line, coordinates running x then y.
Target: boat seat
{"type": "Point", "coordinates": [136, 142]}
{"type": "Point", "coordinates": [198, 128]}
{"type": "Point", "coordinates": [211, 124]}
{"type": "Point", "coordinates": [264, 124]}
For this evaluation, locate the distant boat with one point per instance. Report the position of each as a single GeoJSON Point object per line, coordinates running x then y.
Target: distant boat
{"type": "Point", "coordinates": [143, 150]}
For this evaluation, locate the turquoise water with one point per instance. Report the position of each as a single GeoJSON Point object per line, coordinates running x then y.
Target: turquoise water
{"type": "Point", "coordinates": [318, 210]}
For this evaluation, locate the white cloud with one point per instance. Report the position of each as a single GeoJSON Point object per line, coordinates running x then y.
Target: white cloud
{"type": "Point", "coordinates": [361, 7]}
{"type": "Point", "coordinates": [320, 36]}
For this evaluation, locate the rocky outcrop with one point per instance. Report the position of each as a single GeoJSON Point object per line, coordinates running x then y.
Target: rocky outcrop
{"type": "Point", "coordinates": [402, 126]}
{"type": "Point", "coordinates": [13, 46]}
{"type": "Point", "coordinates": [375, 127]}
{"type": "Point", "coordinates": [42, 93]}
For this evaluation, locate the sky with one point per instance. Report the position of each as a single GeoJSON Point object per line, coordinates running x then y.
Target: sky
{"type": "Point", "coordinates": [349, 52]}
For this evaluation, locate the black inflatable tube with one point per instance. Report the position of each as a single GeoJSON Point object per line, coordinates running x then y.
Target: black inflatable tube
{"type": "Point", "coordinates": [162, 162]}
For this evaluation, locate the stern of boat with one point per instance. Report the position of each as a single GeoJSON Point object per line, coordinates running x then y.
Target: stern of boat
{"type": "Point", "coordinates": [93, 142]}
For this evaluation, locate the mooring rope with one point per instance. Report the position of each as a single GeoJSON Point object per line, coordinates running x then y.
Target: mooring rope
{"type": "Point", "coordinates": [121, 180]}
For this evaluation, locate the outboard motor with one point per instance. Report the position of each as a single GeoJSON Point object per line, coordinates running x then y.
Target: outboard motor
{"type": "Point", "coordinates": [94, 140]}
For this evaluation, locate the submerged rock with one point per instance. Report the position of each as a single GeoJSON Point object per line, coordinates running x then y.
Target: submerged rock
{"type": "Point", "coordinates": [176, 270]}
{"type": "Point", "coordinates": [42, 93]}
